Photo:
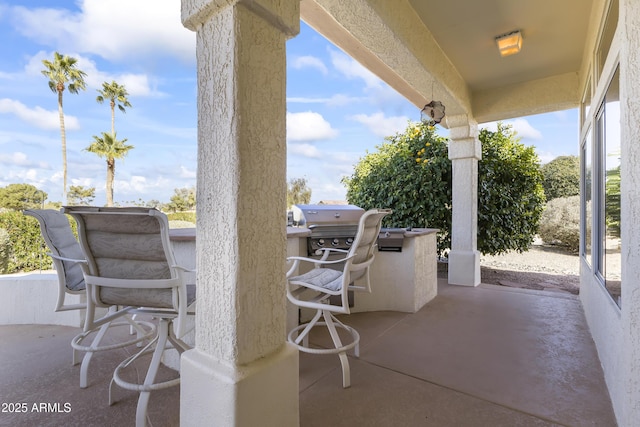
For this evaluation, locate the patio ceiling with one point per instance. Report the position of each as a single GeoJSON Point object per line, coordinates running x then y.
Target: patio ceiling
{"type": "Point", "coordinates": [446, 50]}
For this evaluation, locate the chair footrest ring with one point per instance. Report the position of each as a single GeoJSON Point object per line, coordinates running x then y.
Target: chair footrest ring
{"type": "Point", "coordinates": [354, 334]}
{"type": "Point", "coordinates": [76, 342]}
{"type": "Point", "coordinates": [140, 387]}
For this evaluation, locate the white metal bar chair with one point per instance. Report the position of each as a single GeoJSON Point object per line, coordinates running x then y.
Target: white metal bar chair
{"type": "Point", "coordinates": [130, 263]}
{"type": "Point", "coordinates": [315, 288]}
{"type": "Point", "coordinates": [67, 258]}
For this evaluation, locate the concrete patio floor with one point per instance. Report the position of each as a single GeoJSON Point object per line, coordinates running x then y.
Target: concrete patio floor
{"type": "Point", "coordinates": [485, 356]}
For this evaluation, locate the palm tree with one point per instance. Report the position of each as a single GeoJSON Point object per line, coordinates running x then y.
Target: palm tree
{"type": "Point", "coordinates": [63, 71]}
{"type": "Point", "coordinates": [108, 147]}
{"type": "Point", "coordinates": [117, 95]}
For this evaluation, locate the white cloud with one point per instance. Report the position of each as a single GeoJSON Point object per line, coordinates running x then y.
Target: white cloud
{"type": "Point", "coordinates": [114, 30]}
{"type": "Point", "coordinates": [15, 159]}
{"type": "Point", "coordinates": [337, 100]}
{"type": "Point", "coordinates": [382, 126]}
{"type": "Point", "coordinates": [37, 116]}
{"type": "Point", "coordinates": [545, 156]}
{"type": "Point", "coordinates": [353, 70]}
{"type": "Point", "coordinates": [309, 62]}
{"type": "Point", "coordinates": [138, 185]}
{"type": "Point", "coordinates": [305, 150]}
{"type": "Point", "coordinates": [521, 126]}
{"type": "Point", "coordinates": [379, 93]}
{"type": "Point", "coordinates": [525, 130]}
{"type": "Point", "coordinates": [187, 173]}
{"type": "Point", "coordinates": [308, 126]}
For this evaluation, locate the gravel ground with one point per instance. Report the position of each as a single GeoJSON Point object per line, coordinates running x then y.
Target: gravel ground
{"type": "Point", "coordinates": [542, 267]}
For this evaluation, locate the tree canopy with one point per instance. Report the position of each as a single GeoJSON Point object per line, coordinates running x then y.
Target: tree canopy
{"type": "Point", "coordinates": [183, 199]}
{"type": "Point", "coordinates": [298, 192]}
{"type": "Point", "coordinates": [411, 174]}
{"type": "Point", "coordinates": [80, 195]}
{"type": "Point", "coordinates": [21, 196]}
{"type": "Point", "coordinates": [110, 148]}
{"type": "Point", "coordinates": [117, 95]}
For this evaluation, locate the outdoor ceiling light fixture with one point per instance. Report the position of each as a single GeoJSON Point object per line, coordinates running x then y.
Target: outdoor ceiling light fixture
{"type": "Point", "coordinates": [510, 43]}
{"type": "Point", "coordinates": [432, 113]}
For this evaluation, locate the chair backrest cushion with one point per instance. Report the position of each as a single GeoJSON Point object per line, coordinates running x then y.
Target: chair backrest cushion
{"type": "Point", "coordinates": [128, 244]}
{"type": "Point", "coordinates": [59, 238]}
{"type": "Point", "coordinates": [365, 241]}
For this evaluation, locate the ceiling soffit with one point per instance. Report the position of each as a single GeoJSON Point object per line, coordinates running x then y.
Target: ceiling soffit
{"type": "Point", "coordinates": [447, 51]}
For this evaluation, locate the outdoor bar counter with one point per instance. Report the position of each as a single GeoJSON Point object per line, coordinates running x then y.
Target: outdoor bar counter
{"type": "Point", "coordinates": [400, 281]}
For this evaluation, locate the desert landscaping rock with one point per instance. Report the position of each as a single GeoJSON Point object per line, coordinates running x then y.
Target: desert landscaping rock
{"type": "Point", "coordinates": [542, 267]}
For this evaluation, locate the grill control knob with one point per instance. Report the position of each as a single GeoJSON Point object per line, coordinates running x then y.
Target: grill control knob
{"type": "Point", "coordinates": [335, 242]}
{"type": "Point", "coordinates": [321, 242]}
{"type": "Point", "coordinates": [349, 241]}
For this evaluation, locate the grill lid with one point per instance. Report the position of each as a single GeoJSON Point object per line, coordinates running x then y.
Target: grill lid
{"type": "Point", "coordinates": [320, 216]}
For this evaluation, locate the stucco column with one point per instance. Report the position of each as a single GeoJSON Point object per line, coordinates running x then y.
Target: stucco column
{"type": "Point", "coordinates": [241, 372]}
{"type": "Point", "coordinates": [630, 205]}
{"type": "Point", "coordinates": [464, 152]}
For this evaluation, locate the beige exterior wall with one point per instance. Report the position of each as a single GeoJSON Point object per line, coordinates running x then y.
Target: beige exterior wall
{"type": "Point", "coordinates": [616, 330]}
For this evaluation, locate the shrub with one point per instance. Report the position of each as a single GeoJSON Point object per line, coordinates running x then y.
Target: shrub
{"type": "Point", "coordinates": [182, 216]}
{"type": "Point", "coordinates": [561, 177]}
{"type": "Point", "coordinates": [180, 224]}
{"type": "Point", "coordinates": [510, 194]}
{"type": "Point", "coordinates": [411, 174]}
{"type": "Point", "coordinates": [560, 224]}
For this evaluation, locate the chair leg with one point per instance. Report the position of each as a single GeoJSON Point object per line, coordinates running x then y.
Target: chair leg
{"type": "Point", "coordinates": [134, 327]}
{"type": "Point", "coordinates": [304, 335]}
{"type": "Point", "coordinates": [344, 360]}
{"type": "Point", "coordinates": [143, 400]}
{"type": "Point", "coordinates": [74, 357]}
{"type": "Point", "coordinates": [332, 323]}
{"type": "Point", "coordinates": [86, 360]}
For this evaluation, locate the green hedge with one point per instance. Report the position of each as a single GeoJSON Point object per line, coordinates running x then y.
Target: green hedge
{"type": "Point", "coordinates": [182, 216]}
{"type": "Point", "coordinates": [26, 249]}
{"type": "Point", "coordinates": [5, 250]}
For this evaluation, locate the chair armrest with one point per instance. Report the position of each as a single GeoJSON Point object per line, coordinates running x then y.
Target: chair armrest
{"type": "Point", "coordinates": [184, 269]}
{"type": "Point", "coordinates": [83, 261]}
{"type": "Point", "coordinates": [317, 262]}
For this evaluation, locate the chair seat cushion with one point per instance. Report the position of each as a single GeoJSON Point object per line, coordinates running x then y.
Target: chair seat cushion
{"type": "Point", "coordinates": [320, 279]}
{"type": "Point", "coordinates": [156, 298]}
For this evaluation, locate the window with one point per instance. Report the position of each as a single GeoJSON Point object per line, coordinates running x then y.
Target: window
{"type": "Point", "coordinates": [586, 103]}
{"type": "Point", "coordinates": [606, 36]}
{"type": "Point", "coordinates": [611, 181]}
{"type": "Point", "coordinates": [601, 192]}
{"type": "Point", "coordinates": [587, 216]}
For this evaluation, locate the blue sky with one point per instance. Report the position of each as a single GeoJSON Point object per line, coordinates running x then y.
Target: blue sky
{"type": "Point", "coordinates": [336, 109]}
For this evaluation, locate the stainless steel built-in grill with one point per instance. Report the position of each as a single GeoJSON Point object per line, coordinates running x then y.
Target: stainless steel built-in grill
{"type": "Point", "coordinates": [332, 226]}
{"type": "Point", "coordinates": [391, 239]}
{"type": "Point", "coordinates": [335, 226]}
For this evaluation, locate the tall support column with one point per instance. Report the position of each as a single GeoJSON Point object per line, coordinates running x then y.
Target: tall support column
{"type": "Point", "coordinates": [630, 206]}
{"type": "Point", "coordinates": [464, 152]}
{"type": "Point", "coordinates": [241, 371]}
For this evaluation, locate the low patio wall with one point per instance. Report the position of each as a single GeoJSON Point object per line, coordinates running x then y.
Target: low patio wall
{"type": "Point", "coordinates": [31, 299]}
